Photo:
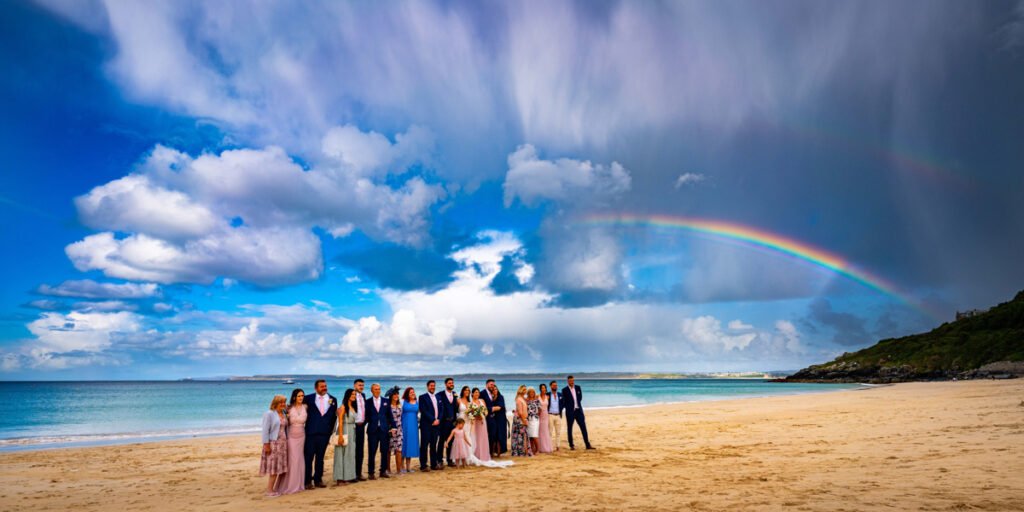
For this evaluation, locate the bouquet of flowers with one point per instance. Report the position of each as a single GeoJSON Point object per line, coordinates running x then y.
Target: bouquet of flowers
{"type": "Point", "coordinates": [476, 411]}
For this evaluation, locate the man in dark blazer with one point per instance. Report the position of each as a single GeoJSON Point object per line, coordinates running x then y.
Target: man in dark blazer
{"type": "Point", "coordinates": [572, 398]}
{"type": "Point", "coordinates": [497, 422]}
{"type": "Point", "coordinates": [322, 413]}
{"type": "Point", "coordinates": [429, 428]}
{"type": "Point", "coordinates": [378, 425]}
{"type": "Point", "coordinates": [447, 409]}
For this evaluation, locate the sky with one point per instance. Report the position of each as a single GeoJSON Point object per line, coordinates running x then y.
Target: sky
{"type": "Point", "coordinates": [201, 189]}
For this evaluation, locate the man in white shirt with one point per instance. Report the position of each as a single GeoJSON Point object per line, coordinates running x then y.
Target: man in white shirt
{"type": "Point", "coordinates": [359, 386]}
{"type": "Point", "coordinates": [555, 408]}
{"type": "Point", "coordinates": [378, 425]}
{"type": "Point", "coordinates": [572, 398]}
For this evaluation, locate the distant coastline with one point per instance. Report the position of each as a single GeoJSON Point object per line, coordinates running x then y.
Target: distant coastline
{"type": "Point", "coordinates": [513, 376]}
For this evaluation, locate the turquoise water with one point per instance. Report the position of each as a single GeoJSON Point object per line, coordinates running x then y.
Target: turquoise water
{"type": "Point", "coordinates": [55, 414]}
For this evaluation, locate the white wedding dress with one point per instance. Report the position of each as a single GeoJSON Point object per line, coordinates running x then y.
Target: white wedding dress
{"type": "Point", "coordinates": [472, 460]}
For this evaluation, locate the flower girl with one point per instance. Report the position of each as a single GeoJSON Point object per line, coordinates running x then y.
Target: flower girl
{"type": "Point", "coordinates": [461, 448]}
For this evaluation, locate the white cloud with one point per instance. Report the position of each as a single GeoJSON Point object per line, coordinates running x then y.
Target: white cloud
{"type": "Point", "coordinates": [689, 178]}
{"type": "Point", "coordinates": [372, 154]}
{"type": "Point", "coordinates": [738, 325]}
{"type": "Point", "coordinates": [706, 332]}
{"type": "Point", "coordinates": [583, 259]}
{"type": "Point", "coordinates": [177, 209]}
{"type": "Point", "coordinates": [405, 335]}
{"type": "Point", "coordinates": [68, 340]}
{"type": "Point", "coordinates": [89, 289]}
{"type": "Point", "coordinates": [531, 179]}
{"type": "Point", "coordinates": [487, 349]}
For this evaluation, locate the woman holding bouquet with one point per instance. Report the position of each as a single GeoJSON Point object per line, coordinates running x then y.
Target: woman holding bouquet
{"type": "Point", "coordinates": [477, 418]}
{"type": "Point", "coordinates": [544, 440]}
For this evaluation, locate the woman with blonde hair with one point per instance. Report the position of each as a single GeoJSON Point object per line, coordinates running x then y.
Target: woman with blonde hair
{"type": "Point", "coordinates": [533, 420]}
{"type": "Point", "coordinates": [519, 419]}
{"type": "Point", "coordinates": [274, 460]}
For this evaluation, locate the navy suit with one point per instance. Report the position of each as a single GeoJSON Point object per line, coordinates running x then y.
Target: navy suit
{"type": "Point", "coordinates": [428, 432]}
{"type": "Point", "coordinates": [446, 413]}
{"type": "Point", "coordinates": [319, 428]}
{"type": "Point", "coordinates": [497, 423]}
{"type": "Point", "coordinates": [378, 426]}
{"type": "Point", "coordinates": [574, 414]}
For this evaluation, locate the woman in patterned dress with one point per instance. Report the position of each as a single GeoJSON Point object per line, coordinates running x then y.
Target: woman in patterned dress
{"type": "Point", "coordinates": [274, 460]}
{"type": "Point", "coordinates": [396, 431]}
{"type": "Point", "coordinates": [519, 425]}
{"type": "Point", "coordinates": [533, 420]}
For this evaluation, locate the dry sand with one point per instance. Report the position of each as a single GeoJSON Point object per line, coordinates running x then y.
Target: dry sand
{"type": "Point", "coordinates": [920, 446]}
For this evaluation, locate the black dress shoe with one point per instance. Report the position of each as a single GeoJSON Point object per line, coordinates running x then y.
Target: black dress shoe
{"type": "Point", "coordinates": [424, 469]}
{"type": "Point", "coordinates": [363, 478]}
{"type": "Point", "coordinates": [385, 475]}
{"type": "Point", "coordinates": [451, 464]}
{"type": "Point", "coordinates": [591, 448]}
{"type": "Point", "coordinates": [309, 487]}
{"type": "Point", "coordinates": [320, 485]}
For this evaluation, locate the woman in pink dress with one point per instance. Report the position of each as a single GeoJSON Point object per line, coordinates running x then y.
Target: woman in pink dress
{"type": "Point", "coordinates": [294, 480]}
{"type": "Point", "coordinates": [481, 444]}
{"type": "Point", "coordinates": [544, 440]}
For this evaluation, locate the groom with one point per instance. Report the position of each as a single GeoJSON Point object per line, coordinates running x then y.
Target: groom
{"type": "Point", "coordinates": [322, 413]}
{"type": "Point", "coordinates": [572, 397]}
{"type": "Point", "coordinates": [446, 404]}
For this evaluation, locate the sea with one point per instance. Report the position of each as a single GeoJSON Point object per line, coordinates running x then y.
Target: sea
{"type": "Point", "coordinates": [43, 415]}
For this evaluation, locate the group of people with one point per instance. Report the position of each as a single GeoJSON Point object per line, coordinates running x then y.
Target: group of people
{"type": "Point", "coordinates": [438, 428]}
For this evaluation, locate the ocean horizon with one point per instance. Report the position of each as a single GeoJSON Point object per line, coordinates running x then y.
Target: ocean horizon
{"type": "Point", "coordinates": [59, 414]}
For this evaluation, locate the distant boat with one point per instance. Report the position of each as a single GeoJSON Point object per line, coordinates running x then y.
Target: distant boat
{"type": "Point", "coordinates": [288, 381]}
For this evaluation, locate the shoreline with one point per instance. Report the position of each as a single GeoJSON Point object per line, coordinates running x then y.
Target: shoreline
{"type": "Point", "coordinates": [76, 441]}
{"type": "Point", "coordinates": [934, 446]}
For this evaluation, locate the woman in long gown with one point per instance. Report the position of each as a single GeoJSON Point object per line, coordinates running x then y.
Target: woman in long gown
{"type": "Point", "coordinates": [481, 443]}
{"type": "Point", "coordinates": [345, 452]}
{"type": "Point", "coordinates": [395, 440]}
{"type": "Point", "coordinates": [519, 438]}
{"type": "Point", "coordinates": [544, 441]}
{"type": "Point", "coordinates": [274, 459]}
{"type": "Point", "coordinates": [410, 427]}
{"type": "Point", "coordinates": [294, 481]}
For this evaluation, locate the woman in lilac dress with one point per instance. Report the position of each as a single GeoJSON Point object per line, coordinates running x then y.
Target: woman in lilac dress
{"type": "Point", "coordinates": [544, 440]}
{"type": "Point", "coordinates": [274, 460]}
{"type": "Point", "coordinates": [481, 443]}
{"type": "Point", "coordinates": [293, 482]}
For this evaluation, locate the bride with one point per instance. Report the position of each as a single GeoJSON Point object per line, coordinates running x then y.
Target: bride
{"type": "Point", "coordinates": [473, 409]}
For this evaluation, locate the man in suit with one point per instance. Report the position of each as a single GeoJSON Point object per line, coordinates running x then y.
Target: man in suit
{"type": "Point", "coordinates": [448, 408]}
{"type": "Point", "coordinates": [322, 411]}
{"type": "Point", "coordinates": [555, 408]}
{"type": "Point", "coordinates": [429, 428]}
{"type": "Point", "coordinates": [572, 398]}
{"type": "Point", "coordinates": [359, 386]}
{"type": "Point", "coordinates": [497, 422]}
{"type": "Point", "coordinates": [378, 424]}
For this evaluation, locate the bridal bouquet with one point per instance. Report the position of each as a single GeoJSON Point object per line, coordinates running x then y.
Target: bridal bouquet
{"type": "Point", "coordinates": [476, 411]}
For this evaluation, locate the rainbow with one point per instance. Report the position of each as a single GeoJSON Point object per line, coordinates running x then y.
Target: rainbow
{"type": "Point", "coordinates": [762, 239]}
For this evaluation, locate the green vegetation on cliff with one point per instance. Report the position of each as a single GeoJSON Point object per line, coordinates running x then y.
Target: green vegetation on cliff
{"type": "Point", "coordinates": [947, 351]}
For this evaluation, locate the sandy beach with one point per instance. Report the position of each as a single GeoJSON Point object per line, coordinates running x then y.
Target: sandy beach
{"type": "Point", "coordinates": [918, 446]}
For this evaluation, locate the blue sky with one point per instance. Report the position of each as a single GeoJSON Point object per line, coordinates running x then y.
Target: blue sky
{"type": "Point", "coordinates": [200, 189]}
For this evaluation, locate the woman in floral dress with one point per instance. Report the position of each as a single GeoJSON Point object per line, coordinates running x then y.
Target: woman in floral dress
{"type": "Point", "coordinates": [519, 420]}
{"type": "Point", "coordinates": [396, 431]}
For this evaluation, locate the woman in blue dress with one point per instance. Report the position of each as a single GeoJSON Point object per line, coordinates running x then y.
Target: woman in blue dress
{"type": "Point", "coordinates": [410, 431]}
